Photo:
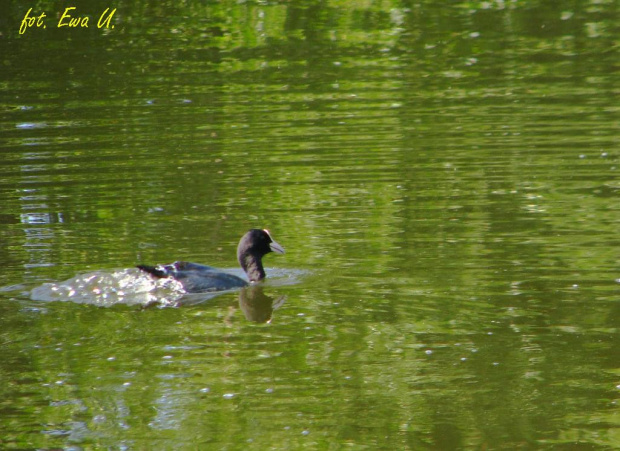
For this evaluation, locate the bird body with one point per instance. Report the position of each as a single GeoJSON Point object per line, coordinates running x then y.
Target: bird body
{"type": "Point", "coordinates": [197, 278]}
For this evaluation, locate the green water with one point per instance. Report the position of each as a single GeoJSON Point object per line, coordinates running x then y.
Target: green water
{"type": "Point", "coordinates": [443, 176]}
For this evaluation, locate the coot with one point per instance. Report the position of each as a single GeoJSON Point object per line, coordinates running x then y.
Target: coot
{"type": "Point", "coordinates": [197, 278]}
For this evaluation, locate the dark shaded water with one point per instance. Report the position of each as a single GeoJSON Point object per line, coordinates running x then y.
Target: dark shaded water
{"type": "Point", "coordinates": [443, 177]}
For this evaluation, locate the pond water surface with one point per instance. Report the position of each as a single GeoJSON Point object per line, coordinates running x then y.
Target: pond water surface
{"type": "Point", "coordinates": [443, 176]}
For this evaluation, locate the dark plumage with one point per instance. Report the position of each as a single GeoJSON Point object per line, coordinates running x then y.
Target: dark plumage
{"type": "Point", "coordinates": [197, 278]}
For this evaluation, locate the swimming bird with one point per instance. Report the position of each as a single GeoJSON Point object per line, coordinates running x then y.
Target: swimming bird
{"type": "Point", "coordinates": [196, 278]}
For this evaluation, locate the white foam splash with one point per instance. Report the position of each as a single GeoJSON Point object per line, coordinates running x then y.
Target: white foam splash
{"type": "Point", "coordinates": [101, 288]}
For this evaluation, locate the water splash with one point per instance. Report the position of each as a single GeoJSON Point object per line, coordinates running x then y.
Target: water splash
{"type": "Point", "coordinates": [134, 287]}
{"type": "Point", "coordinates": [101, 288]}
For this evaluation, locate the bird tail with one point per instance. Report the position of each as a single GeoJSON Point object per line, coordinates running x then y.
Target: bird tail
{"type": "Point", "coordinates": [156, 271]}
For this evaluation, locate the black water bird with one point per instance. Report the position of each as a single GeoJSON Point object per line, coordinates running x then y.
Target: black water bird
{"type": "Point", "coordinates": [196, 278]}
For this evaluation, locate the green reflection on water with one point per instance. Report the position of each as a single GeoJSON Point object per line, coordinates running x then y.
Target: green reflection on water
{"type": "Point", "coordinates": [446, 174]}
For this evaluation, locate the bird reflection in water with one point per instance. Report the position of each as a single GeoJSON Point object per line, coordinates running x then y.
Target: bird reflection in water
{"type": "Point", "coordinates": [256, 305]}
